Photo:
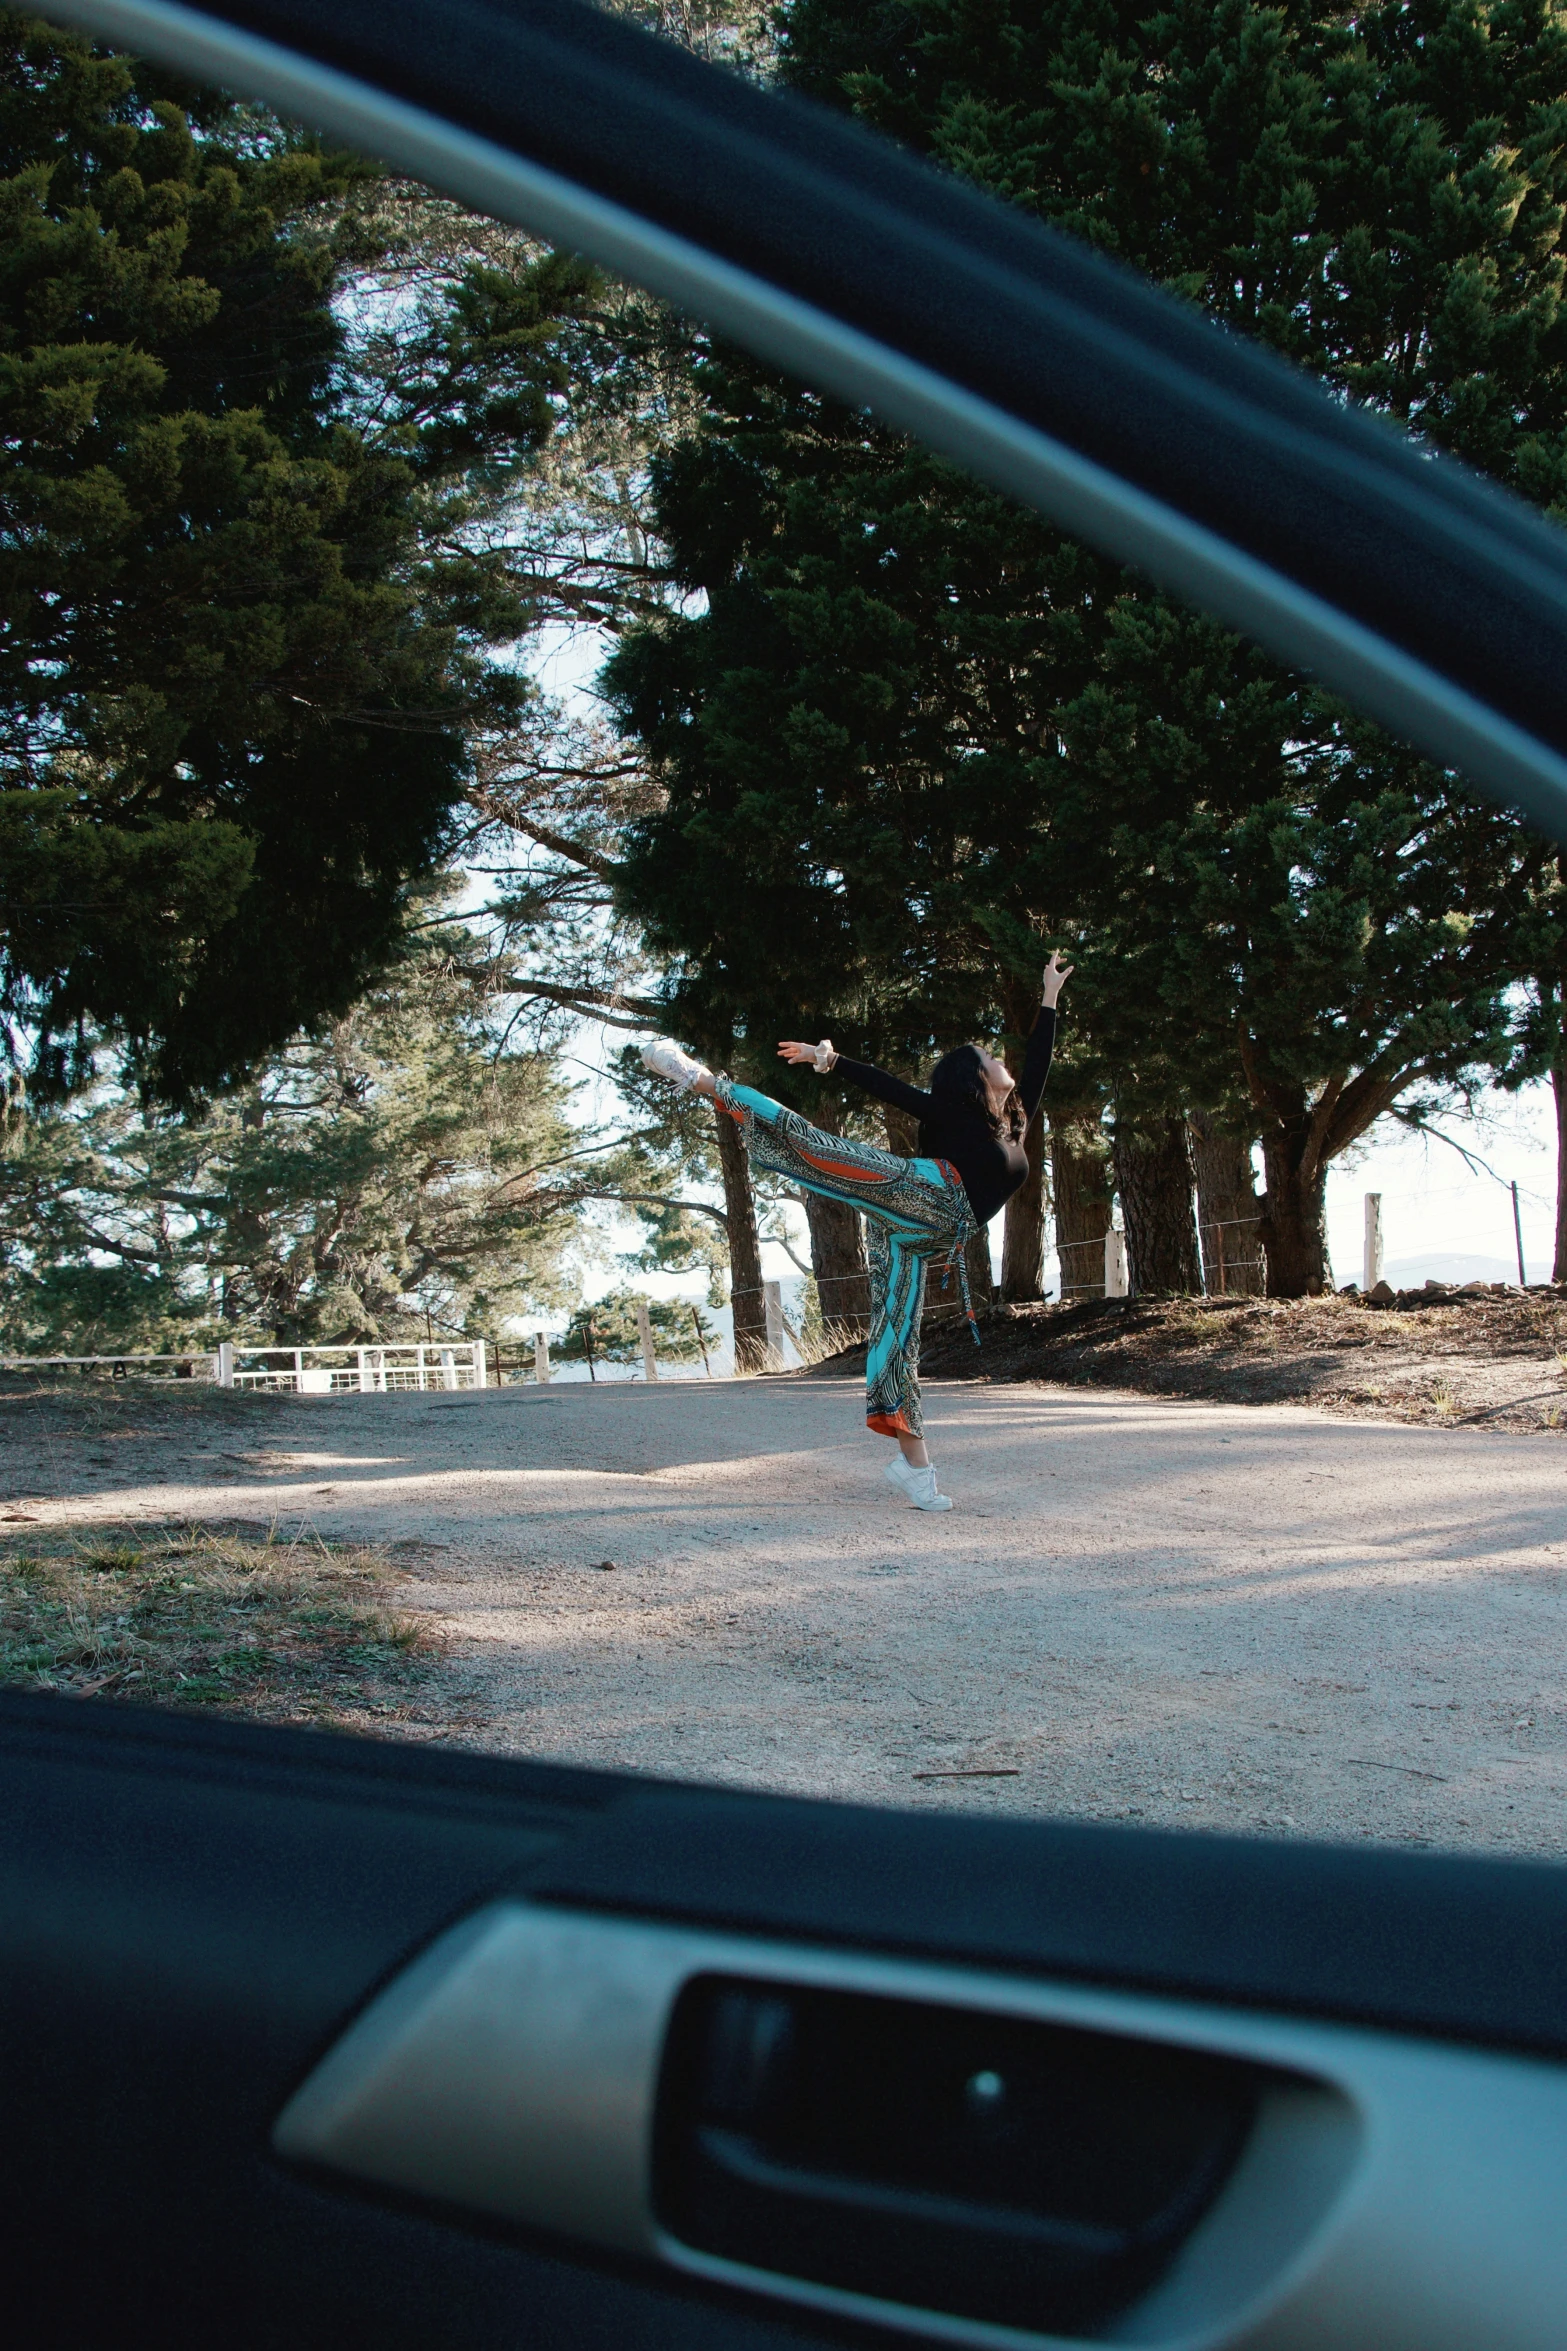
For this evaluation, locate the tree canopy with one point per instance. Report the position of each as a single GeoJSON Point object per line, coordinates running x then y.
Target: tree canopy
{"type": "Point", "coordinates": [905, 730]}
{"type": "Point", "coordinates": [246, 633]}
{"type": "Point", "coordinates": [386, 1179]}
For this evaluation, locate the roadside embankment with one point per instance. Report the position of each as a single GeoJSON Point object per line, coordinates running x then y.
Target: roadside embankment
{"type": "Point", "coordinates": [1478, 1358]}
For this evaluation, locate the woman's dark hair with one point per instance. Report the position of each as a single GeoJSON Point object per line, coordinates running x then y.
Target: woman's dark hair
{"type": "Point", "coordinates": [957, 1084]}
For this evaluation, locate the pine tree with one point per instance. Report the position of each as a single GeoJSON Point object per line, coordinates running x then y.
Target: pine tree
{"type": "Point", "coordinates": [243, 643]}
{"type": "Point", "coordinates": [913, 727]}
{"type": "Point", "coordinates": [392, 1176]}
{"type": "Point", "coordinates": [608, 1331]}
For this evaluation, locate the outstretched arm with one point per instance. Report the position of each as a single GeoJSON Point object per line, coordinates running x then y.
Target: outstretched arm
{"type": "Point", "coordinates": [863, 1074]}
{"type": "Point", "coordinates": [1037, 1059]}
{"type": "Point", "coordinates": [1042, 1043]}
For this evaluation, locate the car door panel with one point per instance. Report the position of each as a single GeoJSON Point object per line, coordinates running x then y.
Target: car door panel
{"type": "Point", "coordinates": [522, 2068]}
{"type": "Point", "coordinates": [206, 1927]}
{"type": "Point", "coordinates": [251, 2092]}
{"type": "Point", "coordinates": [1446, 1945]}
{"type": "Point", "coordinates": [190, 1912]}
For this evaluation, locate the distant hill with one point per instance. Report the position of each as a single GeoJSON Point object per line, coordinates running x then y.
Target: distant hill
{"type": "Point", "coordinates": [1454, 1265]}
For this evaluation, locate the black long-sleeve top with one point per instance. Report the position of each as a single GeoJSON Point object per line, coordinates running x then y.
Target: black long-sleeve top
{"type": "Point", "coordinates": [991, 1166]}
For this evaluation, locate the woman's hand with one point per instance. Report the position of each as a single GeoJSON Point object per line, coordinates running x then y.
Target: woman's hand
{"type": "Point", "coordinates": [1056, 976]}
{"type": "Point", "coordinates": [790, 1051]}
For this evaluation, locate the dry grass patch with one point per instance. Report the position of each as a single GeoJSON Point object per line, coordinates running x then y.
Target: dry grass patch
{"type": "Point", "coordinates": [295, 1631]}
{"type": "Point", "coordinates": [1200, 1324]}
{"type": "Point", "coordinates": [1491, 1359]}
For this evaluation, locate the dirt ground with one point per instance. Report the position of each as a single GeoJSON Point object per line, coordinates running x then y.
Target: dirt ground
{"type": "Point", "coordinates": [1482, 1357]}
{"type": "Point", "coordinates": [1259, 1619]}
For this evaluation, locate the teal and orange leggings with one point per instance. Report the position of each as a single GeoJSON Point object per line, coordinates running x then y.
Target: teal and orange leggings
{"type": "Point", "coordinates": [915, 1210]}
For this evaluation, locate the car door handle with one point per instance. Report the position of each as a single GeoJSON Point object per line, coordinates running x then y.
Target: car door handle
{"type": "Point", "coordinates": [1000, 2168]}
{"type": "Point", "coordinates": [982, 2158]}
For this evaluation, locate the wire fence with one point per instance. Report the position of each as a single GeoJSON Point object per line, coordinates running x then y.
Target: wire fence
{"type": "Point", "coordinates": [1235, 1265]}
{"type": "Point", "coordinates": [1231, 1254]}
{"type": "Point", "coordinates": [759, 1289]}
{"type": "Point", "coordinates": [1227, 1267]}
{"type": "Point", "coordinates": [1090, 1252]}
{"type": "Point", "coordinates": [1231, 1267]}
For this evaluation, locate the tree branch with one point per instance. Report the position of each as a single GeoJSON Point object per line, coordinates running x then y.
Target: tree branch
{"type": "Point", "coordinates": [653, 1200]}
{"type": "Point", "coordinates": [561, 845]}
{"type": "Point", "coordinates": [632, 1012]}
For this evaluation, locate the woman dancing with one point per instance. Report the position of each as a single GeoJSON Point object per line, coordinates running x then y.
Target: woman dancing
{"type": "Point", "coordinates": [972, 1124]}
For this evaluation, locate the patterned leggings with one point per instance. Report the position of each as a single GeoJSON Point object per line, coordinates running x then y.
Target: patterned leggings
{"type": "Point", "coordinates": [914, 1209]}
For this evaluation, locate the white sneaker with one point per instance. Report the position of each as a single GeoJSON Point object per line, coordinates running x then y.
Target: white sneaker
{"type": "Point", "coordinates": [916, 1485]}
{"type": "Point", "coordinates": [667, 1061]}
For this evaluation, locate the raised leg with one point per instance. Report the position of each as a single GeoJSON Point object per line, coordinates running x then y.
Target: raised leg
{"type": "Point", "coordinates": [838, 1168]}
{"type": "Point", "coordinates": [913, 1210]}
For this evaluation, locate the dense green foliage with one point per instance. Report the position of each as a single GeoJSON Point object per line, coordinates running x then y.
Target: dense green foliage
{"type": "Point", "coordinates": [379, 1181]}
{"type": "Point", "coordinates": [245, 635]}
{"type": "Point", "coordinates": [906, 729]}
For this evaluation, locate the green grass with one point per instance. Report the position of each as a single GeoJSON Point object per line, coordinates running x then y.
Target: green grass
{"type": "Point", "coordinates": [297, 1631]}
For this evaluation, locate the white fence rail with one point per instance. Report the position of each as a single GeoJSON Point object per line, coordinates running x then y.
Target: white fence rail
{"type": "Point", "coordinates": [192, 1364]}
{"type": "Point", "coordinates": [299, 1371]}
{"type": "Point", "coordinates": [361, 1371]}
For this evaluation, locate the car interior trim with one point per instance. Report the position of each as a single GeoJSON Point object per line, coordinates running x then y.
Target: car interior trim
{"type": "Point", "coordinates": [1396, 2195]}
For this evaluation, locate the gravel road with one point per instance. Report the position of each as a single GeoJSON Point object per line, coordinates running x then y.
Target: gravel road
{"type": "Point", "coordinates": [1254, 1618]}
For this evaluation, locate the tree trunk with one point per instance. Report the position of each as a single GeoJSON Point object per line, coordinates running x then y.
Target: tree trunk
{"type": "Point", "coordinates": [1229, 1214]}
{"type": "Point", "coordinates": [1153, 1174]}
{"type": "Point", "coordinates": [1294, 1220]}
{"type": "Point", "coordinates": [1023, 1234]}
{"type": "Point", "coordinates": [981, 1272]}
{"type": "Point", "coordinates": [1080, 1192]}
{"type": "Point", "coordinates": [1553, 992]}
{"type": "Point", "coordinates": [745, 1248]}
{"type": "Point", "coordinates": [903, 1131]}
{"type": "Point", "coordinates": [247, 1246]}
{"type": "Point", "coordinates": [838, 1262]}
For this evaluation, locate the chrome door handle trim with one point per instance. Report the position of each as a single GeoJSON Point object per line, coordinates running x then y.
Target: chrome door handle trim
{"type": "Point", "coordinates": [512, 2070]}
{"type": "Point", "coordinates": [1407, 2196]}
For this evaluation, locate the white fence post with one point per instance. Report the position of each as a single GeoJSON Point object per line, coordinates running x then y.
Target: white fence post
{"type": "Point", "coordinates": [223, 1370]}
{"type": "Point", "coordinates": [481, 1368]}
{"type": "Point", "coordinates": [1116, 1282]}
{"type": "Point", "coordinates": [541, 1358]}
{"type": "Point", "coordinates": [1371, 1265]}
{"type": "Point", "coordinates": [645, 1334]}
{"type": "Point", "coordinates": [772, 1310]}
{"type": "Point", "coordinates": [365, 1381]}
